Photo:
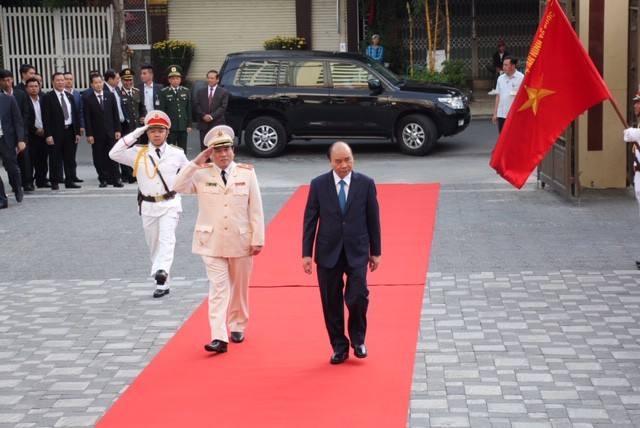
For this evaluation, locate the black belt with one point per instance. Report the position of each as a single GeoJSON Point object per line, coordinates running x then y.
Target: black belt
{"type": "Point", "coordinates": [157, 198]}
{"type": "Point", "coordinates": [68, 126]}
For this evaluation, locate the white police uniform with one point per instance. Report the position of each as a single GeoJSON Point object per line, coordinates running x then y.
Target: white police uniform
{"type": "Point", "coordinates": [159, 209]}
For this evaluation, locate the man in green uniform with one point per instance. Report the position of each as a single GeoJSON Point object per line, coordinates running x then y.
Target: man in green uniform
{"type": "Point", "coordinates": [175, 101]}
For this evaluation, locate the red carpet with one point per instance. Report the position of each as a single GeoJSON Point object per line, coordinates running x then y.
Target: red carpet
{"type": "Point", "coordinates": [281, 376]}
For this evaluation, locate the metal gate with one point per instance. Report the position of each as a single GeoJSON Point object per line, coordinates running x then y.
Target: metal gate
{"type": "Point", "coordinates": [68, 39]}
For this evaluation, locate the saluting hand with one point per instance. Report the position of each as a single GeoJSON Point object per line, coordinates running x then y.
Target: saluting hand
{"type": "Point", "coordinates": [204, 156]}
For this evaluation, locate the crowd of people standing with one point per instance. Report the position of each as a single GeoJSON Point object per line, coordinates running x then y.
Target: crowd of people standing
{"type": "Point", "coordinates": [43, 129]}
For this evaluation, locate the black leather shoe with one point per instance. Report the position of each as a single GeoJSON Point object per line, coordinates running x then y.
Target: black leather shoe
{"type": "Point", "coordinates": [43, 185]}
{"type": "Point", "coordinates": [118, 183]}
{"type": "Point", "coordinates": [160, 293]}
{"type": "Point", "coordinates": [54, 186]}
{"type": "Point", "coordinates": [339, 357]}
{"type": "Point", "coordinates": [72, 186]}
{"type": "Point", "coordinates": [237, 336]}
{"type": "Point", "coordinates": [638, 264]}
{"type": "Point", "coordinates": [161, 277]}
{"type": "Point", "coordinates": [132, 180]}
{"type": "Point", "coordinates": [102, 184]}
{"type": "Point", "coordinates": [360, 351]}
{"type": "Point", "coordinates": [19, 194]}
{"type": "Point", "coordinates": [4, 205]}
{"type": "Point", "coordinates": [77, 180]}
{"type": "Point", "coordinates": [216, 346]}
{"type": "Point", "coordinates": [29, 187]}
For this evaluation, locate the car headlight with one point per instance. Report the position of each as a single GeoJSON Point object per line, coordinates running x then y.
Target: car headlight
{"type": "Point", "coordinates": [453, 102]}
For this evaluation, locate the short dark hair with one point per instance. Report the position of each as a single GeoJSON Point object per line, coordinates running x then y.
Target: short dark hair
{"type": "Point", "coordinates": [93, 76]}
{"type": "Point", "coordinates": [512, 59]}
{"type": "Point", "coordinates": [26, 67]}
{"type": "Point", "coordinates": [57, 73]}
{"type": "Point", "coordinates": [146, 66]}
{"type": "Point", "coordinates": [5, 73]}
{"type": "Point", "coordinates": [30, 80]}
{"type": "Point", "coordinates": [110, 74]}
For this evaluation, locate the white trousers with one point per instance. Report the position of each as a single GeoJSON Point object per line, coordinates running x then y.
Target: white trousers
{"type": "Point", "coordinates": [160, 233]}
{"type": "Point", "coordinates": [636, 186]}
{"type": "Point", "coordinates": [228, 294]}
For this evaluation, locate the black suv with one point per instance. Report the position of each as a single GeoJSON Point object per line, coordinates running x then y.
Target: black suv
{"type": "Point", "coordinates": [280, 95]}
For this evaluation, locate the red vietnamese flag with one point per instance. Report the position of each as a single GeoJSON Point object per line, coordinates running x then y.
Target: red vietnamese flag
{"type": "Point", "coordinates": [560, 83]}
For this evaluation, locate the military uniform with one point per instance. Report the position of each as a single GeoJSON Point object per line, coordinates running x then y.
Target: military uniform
{"type": "Point", "coordinates": [229, 227]}
{"type": "Point", "coordinates": [134, 109]}
{"type": "Point", "coordinates": [176, 103]}
{"type": "Point", "coordinates": [159, 207]}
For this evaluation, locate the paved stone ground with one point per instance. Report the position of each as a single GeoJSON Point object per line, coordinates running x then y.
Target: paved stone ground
{"type": "Point", "coordinates": [530, 315]}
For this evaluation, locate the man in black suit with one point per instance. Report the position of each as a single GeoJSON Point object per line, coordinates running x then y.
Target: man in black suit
{"type": "Point", "coordinates": [12, 141]}
{"type": "Point", "coordinates": [62, 130]}
{"type": "Point", "coordinates": [211, 104]}
{"type": "Point", "coordinates": [37, 147]}
{"type": "Point", "coordinates": [27, 71]}
{"type": "Point", "coordinates": [24, 161]}
{"type": "Point", "coordinates": [102, 127]}
{"type": "Point", "coordinates": [149, 92]}
{"type": "Point", "coordinates": [342, 207]}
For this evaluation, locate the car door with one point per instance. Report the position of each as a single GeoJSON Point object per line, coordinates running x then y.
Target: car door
{"type": "Point", "coordinates": [303, 96]}
{"type": "Point", "coordinates": [355, 108]}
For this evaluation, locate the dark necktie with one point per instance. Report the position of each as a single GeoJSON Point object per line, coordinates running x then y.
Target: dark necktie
{"type": "Point", "coordinates": [158, 153]}
{"type": "Point", "coordinates": [210, 96]}
{"type": "Point", "coordinates": [342, 196]}
{"type": "Point", "coordinates": [100, 101]}
{"type": "Point", "coordinates": [223, 173]}
{"type": "Point", "coordinates": [65, 110]}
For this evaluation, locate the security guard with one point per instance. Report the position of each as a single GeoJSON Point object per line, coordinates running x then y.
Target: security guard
{"type": "Point", "coordinates": [229, 231]}
{"type": "Point", "coordinates": [156, 166]}
{"type": "Point", "coordinates": [175, 100]}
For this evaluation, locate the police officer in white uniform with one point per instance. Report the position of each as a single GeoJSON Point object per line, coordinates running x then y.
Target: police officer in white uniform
{"type": "Point", "coordinates": [155, 165]}
{"type": "Point", "coordinates": [229, 231]}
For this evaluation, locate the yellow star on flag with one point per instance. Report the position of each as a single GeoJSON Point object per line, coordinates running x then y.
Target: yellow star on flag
{"type": "Point", "coordinates": [535, 95]}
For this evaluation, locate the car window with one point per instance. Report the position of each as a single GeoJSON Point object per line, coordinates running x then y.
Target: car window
{"type": "Point", "coordinates": [307, 74]}
{"type": "Point", "coordinates": [257, 73]}
{"type": "Point", "coordinates": [348, 75]}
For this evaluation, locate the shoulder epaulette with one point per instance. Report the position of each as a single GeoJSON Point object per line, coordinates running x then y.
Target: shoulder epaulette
{"type": "Point", "coordinates": [245, 166]}
{"type": "Point", "coordinates": [173, 146]}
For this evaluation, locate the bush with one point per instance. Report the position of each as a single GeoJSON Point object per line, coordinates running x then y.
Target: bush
{"type": "Point", "coordinates": [174, 52]}
{"type": "Point", "coordinates": [285, 43]}
{"type": "Point", "coordinates": [453, 73]}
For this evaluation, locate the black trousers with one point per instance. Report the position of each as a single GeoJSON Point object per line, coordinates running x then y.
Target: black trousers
{"type": "Point", "coordinates": [64, 150]}
{"type": "Point", "coordinates": [334, 294]}
{"type": "Point", "coordinates": [106, 168]}
{"type": "Point", "coordinates": [38, 154]}
{"type": "Point", "coordinates": [10, 162]}
{"type": "Point", "coordinates": [26, 170]}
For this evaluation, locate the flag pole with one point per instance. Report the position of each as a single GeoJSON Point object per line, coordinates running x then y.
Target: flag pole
{"type": "Point", "coordinates": [616, 107]}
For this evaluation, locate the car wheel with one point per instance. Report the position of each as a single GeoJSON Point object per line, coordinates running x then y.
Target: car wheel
{"type": "Point", "coordinates": [416, 135]}
{"type": "Point", "coordinates": [265, 137]}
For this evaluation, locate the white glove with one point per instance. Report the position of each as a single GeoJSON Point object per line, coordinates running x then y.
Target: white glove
{"type": "Point", "coordinates": [133, 136]}
{"type": "Point", "coordinates": [631, 135]}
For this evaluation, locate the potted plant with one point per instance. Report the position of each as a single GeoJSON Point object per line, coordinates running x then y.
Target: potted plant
{"type": "Point", "coordinates": [173, 52]}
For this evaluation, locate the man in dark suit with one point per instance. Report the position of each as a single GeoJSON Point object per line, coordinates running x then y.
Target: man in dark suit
{"type": "Point", "coordinates": [24, 161]}
{"type": "Point", "coordinates": [62, 130]}
{"type": "Point", "coordinates": [37, 147]}
{"type": "Point", "coordinates": [342, 207]}
{"type": "Point", "coordinates": [77, 96]}
{"type": "Point", "coordinates": [211, 104]}
{"type": "Point", "coordinates": [149, 92]}
{"type": "Point", "coordinates": [27, 71]}
{"type": "Point", "coordinates": [12, 141]}
{"type": "Point", "coordinates": [102, 126]}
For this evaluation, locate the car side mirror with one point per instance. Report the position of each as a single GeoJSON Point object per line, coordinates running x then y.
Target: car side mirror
{"type": "Point", "coordinates": [375, 85]}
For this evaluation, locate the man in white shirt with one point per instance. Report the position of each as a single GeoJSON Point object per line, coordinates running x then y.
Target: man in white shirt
{"type": "Point", "coordinates": [507, 87]}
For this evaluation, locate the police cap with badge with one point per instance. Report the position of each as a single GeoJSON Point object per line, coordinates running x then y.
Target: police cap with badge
{"type": "Point", "coordinates": [157, 119]}
{"type": "Point", "coordinates": [174, 71]}
{"type": "Point", "coordinates": [219, 136]}
{"type": "Point", "coordinates": [127, 74]}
